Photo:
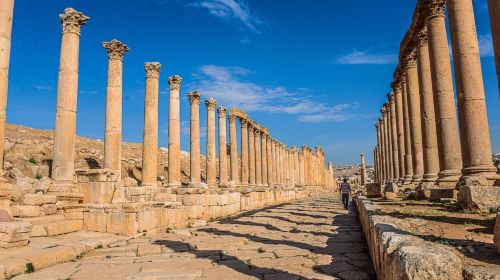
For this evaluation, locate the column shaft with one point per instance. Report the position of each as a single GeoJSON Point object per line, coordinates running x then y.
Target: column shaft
{"type": "Point", "coordinates": [442, 85]}
{"type": "Point", "coordinates": [394, 138]}
{"type": "Point", "coordinates": [6, 14]}
{"type": "Point", "coordinates": [398, 95]}
{"type": "Point", "coordinates": [251, 152]}
{"type": "Point", "coordinates": [174, 134]}
{"type": "Point", "coordinates": [363, 170]}
{"type": "Point", "coordinates": [264, 160]}
{"type": "Point", "coordinates": [474, 130]}
{"type": "Point", "coordinates": [244, 152]}
{"type": "Point", "coordinates": [222, 146]}
{"type": "Point", "coordinates": [195, 170]}
{"type": "Point", "coordinates": [429, 132]}
{"type": "Point", "coordinates": [211, 158]}
{"type": "Point", "coordinates": [270, 160]}
{"type": "Point", "coordinates": [258, 158]}
{"type": "Point", "coordinates": [234, 149]}
{"type": "Point", "coordinates": [415, 119]}
{"type": "Point", "coordinates": [408, 148]}
{"type": "Point", "coordinates": [494, 10]}
{"type": "Point", "coordinates": [150, 142]}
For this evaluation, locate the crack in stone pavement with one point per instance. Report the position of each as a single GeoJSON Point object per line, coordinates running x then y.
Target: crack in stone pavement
{"type": "Point", "coordinates": [310, 239]}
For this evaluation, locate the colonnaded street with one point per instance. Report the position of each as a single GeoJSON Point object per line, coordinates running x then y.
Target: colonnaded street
{"type": "Point", "coordinates": [311, 239]}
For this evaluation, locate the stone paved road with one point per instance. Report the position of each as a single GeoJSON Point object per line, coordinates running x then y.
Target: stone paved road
{"type": "Point", "coordinates": [313, 239]}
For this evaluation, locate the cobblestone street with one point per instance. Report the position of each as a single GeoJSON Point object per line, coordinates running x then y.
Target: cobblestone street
{"type": "Point", "coordinates": [312, 239]}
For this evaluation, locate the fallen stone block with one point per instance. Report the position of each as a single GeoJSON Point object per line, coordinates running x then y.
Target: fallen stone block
{"type": "Point", "coordinates": [479, 197]}
{"type": "Point", "coordinates": [14, 234]}
{"type": "Point", "coordinates": [390, 196]}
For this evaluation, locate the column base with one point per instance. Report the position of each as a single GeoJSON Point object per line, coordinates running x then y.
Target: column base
{"type": "Point", "coordinates": [475, 193]}
{"type": "Point", "coordinates": [174, 185]}
{"type": "Point", "coordinates": [430, 178]}
{"type": "Point", "coordinates": [448, 178]}
{"type": "Point", "coordinates": [488, 172]}
{"type": "Point", "coordinates": [407, 179]}
{"type": "Point", "coordinates": [416, 179]}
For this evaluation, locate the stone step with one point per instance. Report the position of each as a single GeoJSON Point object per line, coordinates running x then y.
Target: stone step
{"type": "Point", "coordinates": [53, 225]}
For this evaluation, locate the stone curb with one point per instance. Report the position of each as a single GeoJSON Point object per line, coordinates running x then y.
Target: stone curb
{"type": "Point", "coordinates": [399, 255]}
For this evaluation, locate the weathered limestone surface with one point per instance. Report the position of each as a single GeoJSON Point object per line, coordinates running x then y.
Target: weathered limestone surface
{"type": "Point", "coordinates": [221, 111]}
{"type": "Point", "coordinates": [174, 133]}
{"type": "Point", "coordinates": [235, 178]}
{"type": "Point", "coordinates": [195, 156]}
{"type": "Point", "coordinates": [494, 10]}
{"type": "Point", "coordinates": [211, 157]}
{"type": "Point", "coordinates": [244, 153]}
{"type": "Point", "coordinates": [407, 133]}
{"type": "Point", "coordinates": [398, 256]}
{"type": "Point", "coordinates": [311, 239]}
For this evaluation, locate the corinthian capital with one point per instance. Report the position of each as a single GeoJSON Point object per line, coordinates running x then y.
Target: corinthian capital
{"type": "Point", "coordinates": [116, 49]}
{"type": "Point", "coordinates": [174, 82]}
{"type": "Point", "coordinates": [243, 122]}
{"type": "Point", "coordinates": [422, 38]}
{"type": "Point", "coordinates": [411, 60]}
{"type": "Point", "coordinates": [390, 96]}
{"type": "Point", "coordinates": [210, 103]}
{"type": "Point", "coordinates": [72, 20]}
{"type": "Point", "coordinates": [222, 112]}
{"type": "Point", "coordinates": [435, 7]}
{"type": "Point", "coordinates": [152, 69]}
{"type": "Point", "coordinates": [231, 116]}
{"type": "Point", "coordinates": [194, 98]}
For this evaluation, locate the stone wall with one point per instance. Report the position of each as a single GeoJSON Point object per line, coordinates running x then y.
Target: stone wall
{"type": "Point", "coordinates": [398, 255]}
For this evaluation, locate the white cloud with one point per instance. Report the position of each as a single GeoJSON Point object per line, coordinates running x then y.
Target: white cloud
{"type": "Point", "coordinates": [225, 84]}
{"type": "Point", "coordinates": [43, 87]}
{"type": "Point", "coordinates": [364, 57]}
{"type": "Point", "coordinates": [186, 129]}
{"type": "Point", "coordinates": [485, 45]}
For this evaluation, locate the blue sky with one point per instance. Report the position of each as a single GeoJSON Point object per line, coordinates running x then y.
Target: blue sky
{"type": "Point", "coordinates": [313, 72]}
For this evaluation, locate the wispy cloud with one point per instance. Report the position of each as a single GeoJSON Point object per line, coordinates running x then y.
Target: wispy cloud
{"type": "Point", "coordinates": [186, 129]}
{"type": "Point", "coordinates": [227, 86]}
{"type": "Point", "coordinates": [43, 87]}
{"type": "Point", "coordinates": [485, 45]}
{"type": "Point", "coordinates": [364, 57]}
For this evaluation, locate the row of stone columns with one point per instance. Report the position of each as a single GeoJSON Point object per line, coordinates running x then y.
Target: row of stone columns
{"type": "Point", "coordinates": [419, 136]}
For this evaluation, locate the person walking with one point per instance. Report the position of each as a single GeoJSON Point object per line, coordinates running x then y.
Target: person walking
{"type": "Point", "coordinates": [345, 190]}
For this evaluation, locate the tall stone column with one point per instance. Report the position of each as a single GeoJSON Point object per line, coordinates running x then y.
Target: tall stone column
{"type": "Point", "coordinates": [174, 133]}
{"type": "Point", "coordinates": [380, 143]}
{"type": "Point", "coordinates": [375, 164]}
{"type": "Point", "coordinates": [442, 85]}
{"type": "Point", "coordinates": [398, 96]}
{"type": "Point", "coordinates": [429, 132]}
{"type": "Point", "coordinates": [406, 122]}
{"type": "Point", "coordinates": [222, 146]}
{"type": "Point", "coordinates": [150, 142]}
{"type": "Point", "coordinates": [258, 158]}
{"type": "Point", "coordinates": [297, 166]}
{"type": "Point", "coordinates": [244, 152]}
{"type": "Point", "coordinates": [251, 153]}
{"type": "Point", "coordinates": [394, 137]}
{"type": "Point", "coordinates": [269, 152]}
{"type": "Point", "coordinates": [234, 148]}
{"type": "Point", "coordinates": [301, 169]}
{"type": "Point", "coordinates": [415, 119]}
{"type": "Point", "coordinates": [113, 132]}
{"type": "Point", "coordinates": [363, 170]}
{"type": "Point", "coordinates": [195, 169]}
{"type": "Point", "coordinates": [67, 90]}
{"type": "Point", "coordinates": [474, 131]}
{"type": "Point", "coordinates": [383, 130]}
{"type": "Point", "coordinates": [494, 10]}
{"type": "Point", "coordinates": [6, 14]}
{"type": "Point", "coordinates": [389, 141]}
{"type": "Point", "coordinates": [211, 159]}
{"type": "Point", "coordinates": [273, 162]}
{"type": "Point", "coordinates": [265, 181]}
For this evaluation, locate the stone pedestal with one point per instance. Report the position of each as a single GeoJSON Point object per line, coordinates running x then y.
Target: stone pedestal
{"type": "Point", "coordinates": [222, 147]}
{"type": "Point", "coordinates": [63, 172]}
{"type": "Point", "coordinates": [447, 126]}
{"type": "Point", "coordinates": [113, 131]}
{"type": "Point", "coordinates": [474, 130]}
{"type": "Point", "coordinates": [6, 13]}
{"type": "Point", "coordinates": [211, 158]}
{"type": "Point", "coordinates": [174, 134]}
{"type": "Point", "coordinates": [150, 143]}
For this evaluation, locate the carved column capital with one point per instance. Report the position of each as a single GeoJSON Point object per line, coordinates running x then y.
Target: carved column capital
{"type": "Point", "coordinates": [435, 7]}
{"type": "Point", "coordinates": [174, 81]}
{"type": "Point", "coordinates": [221, 111]}
{"type": "Point", "coordinates": [421, 38]}
{"type": "Point", "coordinates": [243, 122]}
{"type": "Point", "coordinates": [72, 20]}
{"type": "Point", "coordinates": [194, 98]}
{"type": "Point", "coordinates": [210, 103]}
{"type": "Point", "coordinates": [390, 96]}
{"type": "Point", "coordinates": [116, 49]}
{"type": "Point", "coordinates": [152, 69]}
{"type": "Point", "coordinates": [411, 60]}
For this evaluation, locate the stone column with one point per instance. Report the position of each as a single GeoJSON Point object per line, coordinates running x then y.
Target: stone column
{"type": "Point", "coordinates": [273, 162]}
{"type": "Point", "coordinates": [211, 159]}
{"type": "Point", "coordinates": [406, 122]}
{"type": "Point", "coordinates": [67, 89]}
{"type": "Point", "coordinates": [494, 10]}
{"type": "Point", "coordinates": [234, 148]}
{"type": "Point", "coordinates": [394, 137]}
{"type": "Point", "coordinates": [195, 170]}
{"type": "Point", "coordinates": [301, 169]}
{"type": "Point", "coordinates": [258, 158]}
{"type": "Point", "coordinates": [442, 85]}
{"type": "Point", "coordinates": [398, 96]}
{"type": "Point", "coordinates": [150, 142]}
{"type": "Point", "coordinates": [375, 164]}
{"type": "Point", "coordinates": [383, 130]}
{"type": "Point", "coordinates": [174, 133]}
{"type": "Point", "coordinates": [244, 152]}
{"type": "Point", "coordinates": [6, 14]}
{"type": "Point", "coordinates": [415, 119]}
{"type": "Point", "coordinates": [378, 127]}
{"type": "Point", "coordinates": [113, 132]}
{"type": "Point", "coordinates": [265, 181]}
{"type": "Point", "coordinates": [297, 166]}
{"type": "Point", "coordinates": [474, 131]}
{"type": "Point", "coordinates": [222, 146]}
{"type": "Point", "coordinates": [270, 179]}
{"type": "Point", "coordinates": [251, 152]}
{"type": "Point", "coordinates": [429, 133]}
{"type": "Point", "coordinates": [363, 170]}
